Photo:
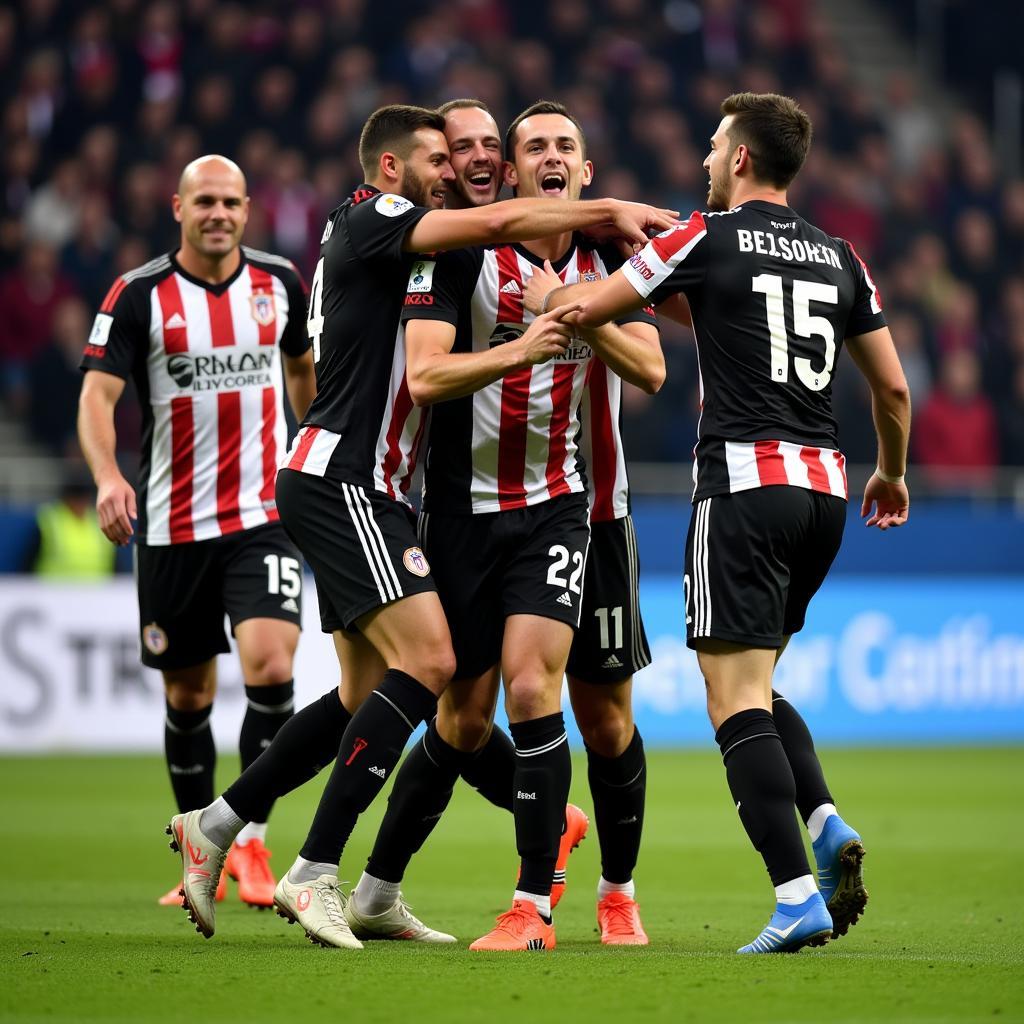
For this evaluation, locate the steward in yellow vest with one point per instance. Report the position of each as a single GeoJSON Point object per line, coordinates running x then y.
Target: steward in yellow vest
{"type": "Point", "coordinates": [71, 546]}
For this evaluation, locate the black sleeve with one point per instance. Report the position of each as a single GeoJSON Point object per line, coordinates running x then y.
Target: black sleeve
{"type": "Point", "coordinates": [866, 314]}
{"type": "Point", "coordinates": [377, 226]}
{"type": "Point", "coordinates": [612, 261]}
{"type": "Point", "coordinates": [295, 338]}
{"type": "Point", "coordinates": [441, 287]}
{"type": "Point", "coordinates": [120, 332]}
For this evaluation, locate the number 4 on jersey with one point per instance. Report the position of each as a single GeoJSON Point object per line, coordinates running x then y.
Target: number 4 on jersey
{"type": "Point", "coordinates": [315, 316]}
{"type": "Point", "coordinates": [804, 326]}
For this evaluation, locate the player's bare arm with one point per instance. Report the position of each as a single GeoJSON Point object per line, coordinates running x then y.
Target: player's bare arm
{"type": "Point", "coordinates": [518, 220]}
{"type": "Point", "coordinates": [115, 497]}
{"type": "Point", "coordinates": [886, 497]}
{"type": "Point", "coordinates": [633, 351]}
{"type": "Point", "coordinates": [599, 301]}
{"type": "Point", "coordinates": [300, 381]}
{"type": "Point", "coordinates": [436, 374]}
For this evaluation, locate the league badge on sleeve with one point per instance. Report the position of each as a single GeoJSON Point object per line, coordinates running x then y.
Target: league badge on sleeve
{"type": "Point", "coordinates": [416, 562]}
{"type": "Point", "coordinates": [100, 332]}
{"type": "Point", "coordinates": [421, 277]}
{"type": "Point", "coordinates": [391, 205]}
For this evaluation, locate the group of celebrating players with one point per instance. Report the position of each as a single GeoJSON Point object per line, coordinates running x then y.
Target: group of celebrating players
{"type": "Point", "coordinates": [489, 340]}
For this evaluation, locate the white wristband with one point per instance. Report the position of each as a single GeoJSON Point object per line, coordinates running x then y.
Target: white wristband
{"type": "Point", "coordinates": [886, 479]}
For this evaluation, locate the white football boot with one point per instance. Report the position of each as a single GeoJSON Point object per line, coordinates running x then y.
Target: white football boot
{"type": "Point", "coordinates": [397, 922]}
{"type": "Point", "coordinates": [319, 906]}
{"type": "Point", "coordinates": [201, 863]}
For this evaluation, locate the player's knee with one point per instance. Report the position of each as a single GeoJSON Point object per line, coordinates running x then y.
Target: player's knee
{"type": "Point", "coordinates": [531, 696]}
{"type": "Point", "coordinates": [435, 663]}
{"type": "Point", "coordinates": [188, 696]}
{"type": "Point", "coordinates": [609, 733]}
{"type": "Point", "coordinates": [465, 728]}
{"type": "Point", "coordinates": [269, 667]}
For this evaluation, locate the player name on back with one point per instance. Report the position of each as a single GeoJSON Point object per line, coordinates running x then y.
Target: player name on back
{"type": "Point", "coordinates": [794, 250]}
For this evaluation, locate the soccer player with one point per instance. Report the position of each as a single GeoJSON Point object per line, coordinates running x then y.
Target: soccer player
{"type": "Point", "coordinates": [772, 298]}
{"type": "Point", "coordinates": [204, 332]}
{"type": "Point", "coordinates": [505, 517]}
{"type": "Point", "coordinates": [465, 713]}
{"type": "Point", "coordinates": [342, 492]}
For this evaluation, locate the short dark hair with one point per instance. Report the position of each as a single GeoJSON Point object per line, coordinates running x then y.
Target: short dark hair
{"type": "Point", "coordinates": [540, 107]}
{"type": "Point", "coordinates": [775, 130]}
{"type": "Point", "coordinates": [463, 104]}
{"type": "Point", "coordinates": [391, 129]}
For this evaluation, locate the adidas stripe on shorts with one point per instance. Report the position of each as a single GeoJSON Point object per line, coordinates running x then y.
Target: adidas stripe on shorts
{"type": "Point", "coordinates": [360, 544]}
{"type": "Point", "coordinates": [611, 644]}
{"type": "Point", "coordinates": [526, 561]}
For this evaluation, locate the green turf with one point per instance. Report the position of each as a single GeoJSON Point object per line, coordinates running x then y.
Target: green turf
{"type": "Point", "coordinates": [83, 858]}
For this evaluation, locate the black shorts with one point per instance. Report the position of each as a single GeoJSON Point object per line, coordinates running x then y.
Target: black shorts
{"type": "Point", "coordinates": [527, 561]}
{"type": "Point", "coordinates": [360, 544]}
{"type": "Point", "coordinates": [755, 559]}
{"type": "Point", "coordinates": [185, 590]}
{"type": "Point", "coordinates": [611, 644]}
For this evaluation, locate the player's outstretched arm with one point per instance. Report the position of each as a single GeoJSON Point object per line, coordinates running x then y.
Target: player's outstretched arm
{"type": "Point", "coordinates": [886, 498]}
{"type": "Point", "coordinates": [519, 220]}
{"type": "Point", "coordinates": [599, 301]}
{"type": "Point", "coordinates": [300, 382]}
{"type": "Point", "coordinates": [115, 497]}
{"type": "Point", "coordinates": [436, 374]}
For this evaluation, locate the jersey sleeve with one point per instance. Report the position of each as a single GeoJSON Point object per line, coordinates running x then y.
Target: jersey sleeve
{"type": "Point", "coordinates": [378, 226]}
{"type": "Point", "coordinates": [120, 332]}
{"type": "Point", "coordinates": [440, 287]}
{"type": "Point", "coordinates": [613, 261]}
{"type": "Point", "coordinates": [866, 314]}
{"type": "Point", "coordinates": [671, 262]}
{"type": "Point", "coordinates": [295, 338]}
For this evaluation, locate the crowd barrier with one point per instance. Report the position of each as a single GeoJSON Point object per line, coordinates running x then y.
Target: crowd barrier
{"type": "Point", "coordinates": [881, 660]}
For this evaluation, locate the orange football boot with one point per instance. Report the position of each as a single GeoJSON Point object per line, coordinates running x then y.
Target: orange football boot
{"type": "Point", "coordinates": [519, 928]}
{"type": "Point", "coordinates": [576, 825]}
{"type": "Point", "coordinates": [249, 866]}
{"type": "Point", "coordinates": [619, 918]}
{"type": "Point", "coordinates": [173, 898]}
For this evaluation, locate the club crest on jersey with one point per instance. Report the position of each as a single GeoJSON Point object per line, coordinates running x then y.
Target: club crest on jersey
{"type": "Point", "coordinates": [154, 638]}
{"type": "Point", "coordinates": [264, 312]}
{"type": "Point", "coordinates": [391, 205]}
{"type": "Point", "coordinates": [421, 277]}
{"type": "Point", "coordinates": [590, 275]}
{"type": "Point", "coordinates": [416, 562]}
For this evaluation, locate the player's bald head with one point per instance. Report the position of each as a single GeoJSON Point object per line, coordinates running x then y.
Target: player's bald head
{"type": "Point", "coordinates": [211, 168]}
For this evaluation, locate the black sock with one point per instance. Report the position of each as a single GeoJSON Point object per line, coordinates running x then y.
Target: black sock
{"type": "Point", "coordinates": [267, 708]}
{"type": "Point", "coordinates": [763, 789]}
{"type": "Point", "coordinates": [811, 788]}
{"type": "Point", "coordinates": [618, 786]}
{"type": "Point", "coordinates": [306, 743]}
{"type": "Point", "coordinates": [491, 770]}
{"type": "Point", "coordinates": [421, 792]}
{"type": "Point", "coordinates": [542, 777]}
{"type": "Point", "coordinates": [369, 751]}
{"type": "Point", "coordinates": [191, 756]}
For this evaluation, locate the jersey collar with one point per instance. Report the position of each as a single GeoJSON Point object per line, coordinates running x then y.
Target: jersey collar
{"type": "Point", "coordinates": [760, 204]}
{"type": "Point", "coordinates": [561, 263]}
{"type": "Point", "coordinates": [217, 289]}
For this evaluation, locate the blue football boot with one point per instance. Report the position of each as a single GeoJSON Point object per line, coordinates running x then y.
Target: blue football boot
{"type": "Point", "coordinates": [792, 928]}
{"type": "Point", "coordinates": [838, 853]}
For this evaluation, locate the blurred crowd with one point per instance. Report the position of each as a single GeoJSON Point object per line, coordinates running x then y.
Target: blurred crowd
{"type": "Point", "coordinates": [103, 106]}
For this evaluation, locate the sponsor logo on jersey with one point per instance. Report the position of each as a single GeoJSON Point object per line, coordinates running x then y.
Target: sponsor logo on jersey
{"type": "Point", "coordinates": [100, 332]}
{"type": "Point", "coordinates": [175, 322]}
{"type": "Point", "coordinates": [421, 277]}
{"type": "Point", "coordinates": [222, 372]}
{"type": "Point", "coordinates": [504, 333]}
{"type": "Point", "coordinates": [416, 562]}
{"type": "Point", "coordinates": [640, 266]}
{"type": "Point", "coordinates": [264, 312]}
{"type": "Point", "coordinates": [154, 638]}
{"type": "Point", "coordinates": [419, 300]}
{"type": "Point", "coordinates": [577, 352]}
{"type": "Point", "coordinates": [391, 205]}
{"type": "Point", "coordinates": [511, 288]}
{"type": "Point", "coordinates": [328, 229]}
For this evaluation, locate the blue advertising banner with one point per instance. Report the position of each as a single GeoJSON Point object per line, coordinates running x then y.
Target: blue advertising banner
{"type": "Point", "coordinates": [880, 660]}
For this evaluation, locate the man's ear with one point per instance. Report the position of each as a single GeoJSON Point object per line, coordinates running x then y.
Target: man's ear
{"type": "Point", "coordinates": [511, 175]}
{"type": "Point", "coordinates": [391, 166]}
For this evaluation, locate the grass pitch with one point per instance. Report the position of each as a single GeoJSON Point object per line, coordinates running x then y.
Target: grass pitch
{"type": "Point", "coordinates": [83, 859]}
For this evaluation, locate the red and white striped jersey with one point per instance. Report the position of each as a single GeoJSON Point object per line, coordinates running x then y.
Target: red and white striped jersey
{"type": "Point", "coordinates": [205, 361]}
{"type": "Point", "coordinates": [772, 299]}
{"type": "Point", "coordinates": [514, 443]}
{"type": "Point", "coordinates": [602, 444]}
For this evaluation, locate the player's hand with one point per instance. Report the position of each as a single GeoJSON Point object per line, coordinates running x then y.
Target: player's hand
{"type": "Point", "coordinates": [116, 508]}
{"type": "Point", "coordinates": [543, 281]}
{"type": "Point", "coordinates": [887, 504]}
{"type": "Point", "coordinates": [548, 335]}
{"type": "Point", "coordinates": [636, 222]}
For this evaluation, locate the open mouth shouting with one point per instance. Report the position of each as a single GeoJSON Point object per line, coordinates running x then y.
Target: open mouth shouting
{"type": "Point", "coordinates": [553, 183]}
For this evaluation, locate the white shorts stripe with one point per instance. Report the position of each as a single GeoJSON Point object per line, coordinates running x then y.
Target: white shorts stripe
{"type": "Point", "coordinates": [351, 500]}
{"type": "Point", "coordinates": [381, 546]}
{"type": "Point", "coordinates": [701, 581]}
